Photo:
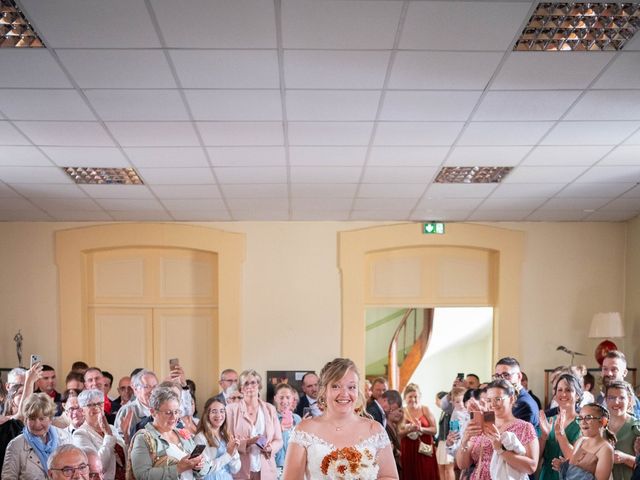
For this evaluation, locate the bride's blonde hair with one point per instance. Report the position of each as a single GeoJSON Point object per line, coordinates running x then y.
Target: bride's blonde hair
{"type": "Point", "coordinates": [332, 372]}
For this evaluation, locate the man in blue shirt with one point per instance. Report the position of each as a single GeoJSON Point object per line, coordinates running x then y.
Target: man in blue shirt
{"type": "Point", "coordinates": [525, 407]}
{"type": "Point", "coordinates": [614, 369]}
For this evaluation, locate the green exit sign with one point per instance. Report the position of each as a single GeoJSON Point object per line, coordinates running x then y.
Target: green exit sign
{"type": "Point", "coordinates": [435, 228]}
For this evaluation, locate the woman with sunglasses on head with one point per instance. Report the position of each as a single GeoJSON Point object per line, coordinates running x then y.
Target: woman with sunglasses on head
{"type": "Point", "coordinates": [620, 401]}
{"type": "Point", "coordinates": [254, 424]}
{"type": "Point", "coordinates": [560, 432]}
{"type": "Point", "coordinates": [512, 440]}
{"type": "Point", "coordinates": [222, 448]}
{"type": "Point", "coordinates": [592, 455]}
{"type": "Point", "coordinates": [96, 433]}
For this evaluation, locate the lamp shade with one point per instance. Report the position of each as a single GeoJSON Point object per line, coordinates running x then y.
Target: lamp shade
{"type": "Point", "coordinates": [606, 325]}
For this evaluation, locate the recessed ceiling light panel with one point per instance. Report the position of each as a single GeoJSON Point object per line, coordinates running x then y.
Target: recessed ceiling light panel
{"type": "Point", "coordinates": [103, 176]}
{"type": "Point", "coordinates": [15, 29]}
{"type": "Point", "coordinates": [579, 26]}
{"type": "Point", "coordinates": [472, 174]}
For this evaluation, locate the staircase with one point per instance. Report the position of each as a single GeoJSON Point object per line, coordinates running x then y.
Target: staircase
{"type": "Point", "coordinates": [408, 346]}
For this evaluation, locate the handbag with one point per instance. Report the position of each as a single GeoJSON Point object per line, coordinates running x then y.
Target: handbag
{"type": "Point", "coordinates": [425, 449]}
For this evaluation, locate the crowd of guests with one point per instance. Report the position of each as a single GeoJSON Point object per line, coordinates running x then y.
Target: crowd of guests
{"type": "Point", "coordinates": [493, 430]}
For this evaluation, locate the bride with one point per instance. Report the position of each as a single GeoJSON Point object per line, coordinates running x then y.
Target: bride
{"type": "Point", "coordinates": [340, 444]}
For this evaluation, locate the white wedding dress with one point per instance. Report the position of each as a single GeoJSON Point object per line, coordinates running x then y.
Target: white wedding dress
{"type": "Point", "coordinates": [318, 448]}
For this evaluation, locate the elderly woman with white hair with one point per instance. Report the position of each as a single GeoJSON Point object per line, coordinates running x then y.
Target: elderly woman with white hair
{"type": "Point", "coordinates": [96, 433]}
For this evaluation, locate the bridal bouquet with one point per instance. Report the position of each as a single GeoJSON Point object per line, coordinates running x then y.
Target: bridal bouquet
{"type": "Point", "coordinates": [348, 463]}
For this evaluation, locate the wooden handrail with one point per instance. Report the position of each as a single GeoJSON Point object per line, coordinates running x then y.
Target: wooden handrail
{"type": "Point", "coordinates": [394, 371]}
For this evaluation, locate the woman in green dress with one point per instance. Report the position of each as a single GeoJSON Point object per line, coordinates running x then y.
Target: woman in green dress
{"type": "Point", "coordinates": [559, 433]}
{"type": "Point", "coordinates": [620, 398]}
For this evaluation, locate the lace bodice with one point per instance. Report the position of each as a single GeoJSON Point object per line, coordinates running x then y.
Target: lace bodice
{"type": "Point", "coordinates": [318, 448]}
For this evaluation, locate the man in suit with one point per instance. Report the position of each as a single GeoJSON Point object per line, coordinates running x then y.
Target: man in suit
{"type": "Point", "coordinates": [310, 397]}
{"type": "Point", "coordinates": [374, 408]}
{"type": "Point", "coordinates": [228, 384]}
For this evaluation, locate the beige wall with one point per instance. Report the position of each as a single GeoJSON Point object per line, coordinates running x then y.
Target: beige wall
{"type": "Point", "coordinates": [632, 291]}
{"type": "Point", "coordinates": [291, 298]}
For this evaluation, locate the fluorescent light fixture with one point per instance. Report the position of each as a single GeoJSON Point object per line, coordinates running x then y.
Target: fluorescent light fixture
{"type": "Point", "coordinates": [103, 176]}
{"type": "Point", "coordinates": [15, 29]}
{"type": "Point", "coordinates": [582, 26]}
{"type": "Point", "coordinates": [472, 174]}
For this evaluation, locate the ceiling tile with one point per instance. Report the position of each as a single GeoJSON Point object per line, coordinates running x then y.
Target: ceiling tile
{"type": "Point", "coordinates": [382, 215]}
{"type": "Point", "coordinates": [140, 215]}
{"type": "Point", "coordinates": [257, 204]}
{"type": "Point", "coordinates": [186, 191]}
{"type": "Point", "coordinates": [391, 190]}
{"type": "Point", "coordinates": [36, 104]}
{"type": "Point", "coordinates": [439, 215]}
{"type": "Point", "coordinates": [473, 190]}
{"type": "Point", "coordinates": [72, 134]}
{"type": "Point", "coordinates": [31, 68]}
{"type": "Point", "coordinates": [611, 174]}
{"type": "Point", "coordinates": [16, 203]}
{"type": "Point", "coordinates": [445, 25]}
{"type": "Point", "coordinates": [241, 133]}
{"type": "Point", "coordinates": [33, 175]}
{"type": "Point", "coordinates": [414, 133]}
{"type": "Point", "coordinates": [429, 204]}
{"type": "Point", "coordinates": [623, 204]}
{"type": "Point", "coordinates": [332, 105]}
{"type": "Point", "coordinates": [330, 133]}
{"type": "Point", "coordinates": [532, 70]}
{"type": "Point", "coordinates": [93, 23]}
{"type": "Point", "coordinates": [421, 175]}
{"type": "Point", "coordinates": [407, 156]}
{"type": "Point", "coordinates": [589, 133]}
{"type": "Point", "coordinates": [196, 205]}
{"type": "Point", "coordinates": [557, 216]}
{"type": "Point", "coordinates": [86, 156]}
{"type": "Point", "coordinates": [607, 105]}
{"type": "Point", "coordinates": [607, 216]}
{"type": "Point", "coordinates": [70, 204]}
{"type": "Point", "coordinates": [34, 215]}
{"type": "Point", "coordinates": [571, 203]}
{"type": "Point", "coordinates": [622, 155]}
{"type": "Point", "coordinates": [504, 133]}
{"type": "Point", "coordinates": [22, 157]}
{"type": "Point", "coordinates": [333, 156]}
{"type": "Point", "coordinates": [633, 139]}
{"type": "Point", "coordinates": [322, 203]}
{"type": "Point", "coordinates": [525, 105]}
{"type": "Point", "coordinates": [247, 156]}
{"type": "Point", "coordinates": [217, 24]}
{"type": "Point", "coordinates": [167, 156]}
{"type": "Point", "coordinates": [98, 68]}
{"type": "Point", "coordinates": [49, 190]}
{"type": "Point", "coordinates": [68, 215]}
{"type": "Point", "coordinates": [499, 215]}
{"type": "Point", "coordinates": [117, 191]}
{"type": "Point", "coordinates": [596, 190]}
{"type": "Point", "coordinates": [270, 215]}
{"type": "Point", "coordinates": [443, 70]}
{"type": "Point", "coordinates": [207, 216]}
{"type": "Point", "coordinates": [508, 203]}
{"type": "Point", "coordinates": [257, 105]}
{"type": "Point", "coordinates": [565, 155]}
{"type": "Point", "coordinates": [313, 190]}
{"type": "Point", "coordinates": [325, 174]}
{"type": "Point", "coordinates": [515, 190]}
{"type": "Point", "coordinates": [251, 174]}
{"type": "Point", "coordinates": [177, 176]}
{"type": "Point", "coordinates": [125, 204]}
{"type": "Point", "coordinates": [10, 136]}
{"type": "Point", "coordinates": [131, 105]}
{"type": "Point", "coordinates": [624, 72]}
{"type": "Point", "coordinates": [632, 193]}
{"type": "Point", "coordinates": [428, 106]}
{"type": "Point", "coordinates": [487, 156]}
{"type": "Point", "coordinates": [397, 204]}
{"type": "Point", "coordinates": [322, 215]}
{"type": "Point", "coordinates": [335, 69]}
{"type": "Point", "coordinates": [254, 190]}
{"type": "Point", "coordinates": [154, 134]}
{"type": "Point", "coordinates": [339, 24]}
{"type": "Point", "coordinates": [524, 174]}
{"type": "Point", "coordinates": [226, 68]}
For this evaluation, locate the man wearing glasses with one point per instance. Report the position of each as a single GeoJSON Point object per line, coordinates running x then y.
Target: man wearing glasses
{"type": "Point", "coordinates": [525, 407]}
{"type": "Point", "coordinates": [228, 385]}
{"type": "Point", "coordinates": [96, 471]}
{"type": "Point", "coordinates": [68, 461]}
{"type": "Point", "coordinates": [130, 414]}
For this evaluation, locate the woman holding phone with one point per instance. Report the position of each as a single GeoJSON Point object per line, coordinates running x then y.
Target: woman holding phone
{"type": "Point", "coordinates": [255, 426]}
{"type": "Point", "coordinates": [96, 433]}
{"type": "Point", "coordinates": [501, 434]}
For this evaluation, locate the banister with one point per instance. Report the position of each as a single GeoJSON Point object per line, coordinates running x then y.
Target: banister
{"type": "Point", "coordinates": [394, 373]}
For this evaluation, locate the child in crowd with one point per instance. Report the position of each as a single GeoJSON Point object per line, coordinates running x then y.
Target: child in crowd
{"type": "Point", "coordinates": [459, 417]}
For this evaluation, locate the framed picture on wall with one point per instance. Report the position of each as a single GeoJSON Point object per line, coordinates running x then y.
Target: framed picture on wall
{"type": "Point", "coordinates": [292, 377]}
